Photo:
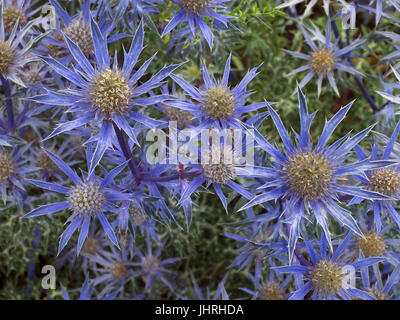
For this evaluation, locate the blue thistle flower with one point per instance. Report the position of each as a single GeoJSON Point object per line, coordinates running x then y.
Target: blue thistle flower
{"type": "Point", "coordinates": [216, 104]}
{"type": "Point", "coordinates": [274, 288]}
{"type": "Point", "coordinates": [323, 275]}
{"type": "Point", "coordinates": [13, 170]}
{"type": "Point", "coordinates": [151, 266]}
{"type": "Point", "coordinates": [14, 49]}
{"type": "Point", "coordinates": [17, 11]}
{"type": "Point", "coordinates": [88, 199]}
{"type": "Point", "coordinates": [135, 215]}
{"type": "Point", "coordinates": [105, 94]}
{"type": "Point", "coordinates": [306, 177]}
{"type": "Point", "coordinates": [324, 58]}
{"type": "Point", "coordinates": [385, 285]}
{"type": "Point", "coordinates": [193, 12]}
{"type": "Point", "coordinates": [219, 170]}
{"type": "Point", "coordinates": [113, 270]}
{"type": "Point", "coordinates": [383, 180]}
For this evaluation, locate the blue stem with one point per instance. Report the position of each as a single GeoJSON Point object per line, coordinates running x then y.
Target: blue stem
{"type": "Point", "coordinates": [128, 155]}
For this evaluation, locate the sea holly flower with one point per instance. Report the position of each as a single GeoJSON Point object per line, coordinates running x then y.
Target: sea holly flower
{"type": "Point", "coordinates": [182, 118]}
{"type": "Point", "coordinates": [105, 94]}
{"type": "Point", "coordinates": [113, 270]}
{"type": "Point", "coordinates": [135, 215]}
{"type": "Point", "coordinates": [273, 288]}
{"type": "Point", "coordinates": [310, 178]}
{"type": "Point", "coordinates": [14, 49]}
{"type": "Point", "coordinates": [381, 286]}
{"type": "Point", "coordinates": [383, 180]}
{"type": "Point", "coordinates": [219, 170]}
{"type": "Point", "coordinates": [324, 275]}
{"type": "Point", "coordinates": [87, 198]}
{"type": "Point", "coordinates": [151, 266]}
{"type": "Point", "coordinates": [216, 103]}
{"type": "Point", "coordinates": [77, 28]}
{"type": "Point", "coordinates": [13, 168]}
{"type": "Point", "coordinates": [17, 11]}
{"type": "Point", "coordinates": [325, 58]}
{"type": "Point", "coordinates": [193, 12]}
{"type": "Point", "coordinates": [374, 243]}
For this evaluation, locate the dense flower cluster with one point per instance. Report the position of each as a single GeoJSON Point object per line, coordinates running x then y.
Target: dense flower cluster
{"type": "Point", "coordinates": [123, 144]}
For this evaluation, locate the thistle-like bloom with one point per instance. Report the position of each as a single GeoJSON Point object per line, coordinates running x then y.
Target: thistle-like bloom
{"type": "Point", "coordinates": [381, 286]}
{"type": "Point", "coordinates": [218, 173]}
{"type": "Point", "coordinates": [193, 12]}
{"type": "Point", "coordinates": [113, 270]}
{"type": "Point", "coordinates": [13, 48]}
{"type": "Point", "coordinates": [136, 215]}
{"type": "Point", "coordinates": [76, 28]}
{"type": "Point", "coordinates": [325, 58]}
{"type": "Point", "coordinates": [216, 103]}
{"type": "Point", "coordinates": [151, 266]}
{"type": "Point", "coordinates": [272, 289]}
{"type": "Point", "coordinates": [310, 178]}
{"type": "Point", "coordinates": [324, 275]}
{"type": "Point", "coordinates": [13, 168]}
{"type": "Point", "coordinates": [87, 199]}
{"type": "Point", "coordinates": [17, 11]}
{"type": "Point", "coordinates": [105, 94]}
{"type": "Point", "coordinates": [383, 180]}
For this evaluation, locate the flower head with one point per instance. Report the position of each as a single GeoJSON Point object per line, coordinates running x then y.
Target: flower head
{"type": "Point", "coordinates": [324, 58]}
{"type": "Point", "coordinates": [107, 93]}
{"type": "Point", "coordinates": [310, 178]}
{"type": "Point", "coordinates": [16, 11]}
{"type": "Point", "coordinates": [193, 12]}
{"type": "Point", "coordinates": [13, 169]}
{"type": "Point", "coordinates": [13, 48]}
{"type": "Point", "coordinates": [216, 103]}
{"type": "Point", "coordinates": [87, 199]}
{"type": "Point", "coordinates": [382, 180]}
{"type": "Point", "coordinates": [152, 266]}
{"type": "Point", "coordinates": [372, 245]}
{"type": "Point", "coordinates": [114, 269]}
{"type": "Point", "coordinates": [324, 275]}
